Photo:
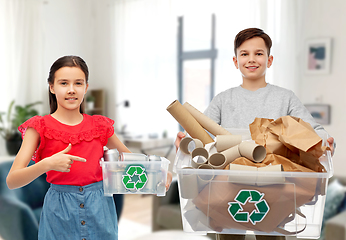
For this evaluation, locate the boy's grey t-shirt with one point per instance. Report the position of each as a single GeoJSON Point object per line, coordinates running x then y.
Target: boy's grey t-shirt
{"type": "Point", "coordinates": [238, 107]}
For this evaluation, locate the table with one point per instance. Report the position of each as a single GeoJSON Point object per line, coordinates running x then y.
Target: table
{"type": "Point", "coordinates": [147, 144]}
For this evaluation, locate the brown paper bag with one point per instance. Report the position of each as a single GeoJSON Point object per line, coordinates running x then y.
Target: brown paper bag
{"type": "Point", "coordinates": [281, 198]}
{"type": "Point", "coordinates": [273, 159]}
{"type": "Point", "coordinates": [290, 137]}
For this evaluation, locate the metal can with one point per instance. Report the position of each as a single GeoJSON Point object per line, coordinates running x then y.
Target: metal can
{"type": "Point", "coordinates": [133, 157]}
{"type": "Point", "coordinates": [111, 155]}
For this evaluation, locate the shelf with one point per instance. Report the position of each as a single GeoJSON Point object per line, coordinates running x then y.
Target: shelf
{"type": "Point", "coordinates": [99, 104]}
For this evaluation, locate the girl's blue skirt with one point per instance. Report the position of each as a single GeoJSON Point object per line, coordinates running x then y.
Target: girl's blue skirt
{"type": "Point", "coordinates": [78, 213]}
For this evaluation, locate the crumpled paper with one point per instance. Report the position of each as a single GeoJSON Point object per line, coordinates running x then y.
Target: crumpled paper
{"type": "Point", "coordinates": [290, 137]}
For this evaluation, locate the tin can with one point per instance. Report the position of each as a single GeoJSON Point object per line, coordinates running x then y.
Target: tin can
{"type": "Point", "coordinates": [133, 157]}
{"type": "Point", "coordinates": [111, 155]}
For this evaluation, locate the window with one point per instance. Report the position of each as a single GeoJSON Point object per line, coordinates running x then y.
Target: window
{"type": "Point", "coordinates": [196, 67]}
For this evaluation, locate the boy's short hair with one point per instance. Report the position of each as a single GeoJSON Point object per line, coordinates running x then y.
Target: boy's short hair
{"type": "Point", "coordinates": [249, 33]}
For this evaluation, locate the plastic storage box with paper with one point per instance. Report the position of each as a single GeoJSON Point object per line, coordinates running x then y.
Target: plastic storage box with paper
{"type": "Point", "coordinates": [129, 173]}
{"type": "Point", "coordinates": [283, 194]}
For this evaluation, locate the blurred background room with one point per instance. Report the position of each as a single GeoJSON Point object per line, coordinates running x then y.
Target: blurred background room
{"type": "Point", "coordinates": [144, 54]}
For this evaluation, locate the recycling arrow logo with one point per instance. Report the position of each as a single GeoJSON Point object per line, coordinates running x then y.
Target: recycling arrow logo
{"type": "Point", "coordinates": [248, 196]}
{"type": "Point", "coordinates": [135, 178]}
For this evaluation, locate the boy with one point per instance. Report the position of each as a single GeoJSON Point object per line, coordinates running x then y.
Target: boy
{"type": "Point", "coordinates": [238, 107]}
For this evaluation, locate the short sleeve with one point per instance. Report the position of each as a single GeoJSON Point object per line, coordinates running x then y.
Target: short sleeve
{"type": "Point", "coordinates": [35, 122]}
{"type": "Point", "coordinates": [38, 124]}
{"type": "Point", "coordinates": [104, 126]}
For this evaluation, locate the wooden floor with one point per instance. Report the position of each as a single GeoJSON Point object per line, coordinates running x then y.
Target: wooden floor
{"type": "Point", "coordinates": [137, 208]}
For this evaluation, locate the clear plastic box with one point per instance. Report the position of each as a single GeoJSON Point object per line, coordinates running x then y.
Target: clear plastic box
{"type": "Point", "coordinates": [252, 202]}
{"type": "Point", "coordinates": [135, 177]}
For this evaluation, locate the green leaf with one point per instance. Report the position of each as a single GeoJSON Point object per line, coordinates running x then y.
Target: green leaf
{"type": "Point", "coordinates": [15, 116]}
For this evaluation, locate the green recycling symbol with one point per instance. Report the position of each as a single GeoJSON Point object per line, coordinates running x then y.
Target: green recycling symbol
{"type": "Point", "coordinates": [135, 178]}
{"type": "Point", "coordinates": [251, 196]}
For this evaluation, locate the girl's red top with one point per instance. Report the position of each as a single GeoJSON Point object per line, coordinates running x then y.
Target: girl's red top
{"type": "Point", "coordinates": [87, 139]}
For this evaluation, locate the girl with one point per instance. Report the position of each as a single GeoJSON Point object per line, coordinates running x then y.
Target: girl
{"type": "Point", "coordinates": [67, 145]}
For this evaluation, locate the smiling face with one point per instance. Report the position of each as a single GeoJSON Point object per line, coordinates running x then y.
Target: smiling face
{"type": "Point", "coordinates": [69, 88]}
{"type": "Point", "coordinates": [252, 59]}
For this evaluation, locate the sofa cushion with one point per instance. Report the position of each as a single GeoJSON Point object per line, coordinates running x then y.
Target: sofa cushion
{"type": "Point", "coordinates": [33, 194]}
{"type": "Point", "coordinates": [37, 213]}
{"type": "Point", "coordinates": [334, 198]}
{"type": "Point", "coordinates": [343, 206]}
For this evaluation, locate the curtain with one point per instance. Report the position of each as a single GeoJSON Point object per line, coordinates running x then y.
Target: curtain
{"type": "Point", "coordinates": [145, 51]}
{"type": "Point", "coordinates": [20, 52]}
{"type": "Point", "coordinates": [146, 54]}
{"type": "Point", "coordinates": [282, 20]}
{"type": "Point", "coordinates": [145, 64]}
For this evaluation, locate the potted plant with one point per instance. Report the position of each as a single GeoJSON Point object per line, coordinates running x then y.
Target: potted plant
{"type": "Point", "coordinates": [10, 121]}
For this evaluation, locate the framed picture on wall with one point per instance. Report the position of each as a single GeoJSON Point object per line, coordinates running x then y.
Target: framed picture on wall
{"type": "Point", "coordinates": [318, 55]}
{"type": "Point", "coordinates": [320, 112]}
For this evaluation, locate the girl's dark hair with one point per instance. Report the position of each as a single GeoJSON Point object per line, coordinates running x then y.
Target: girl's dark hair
{"type": "Point", "coordinates": [66, 61]}
{"type": "Point", "coordinates": [249, 33]}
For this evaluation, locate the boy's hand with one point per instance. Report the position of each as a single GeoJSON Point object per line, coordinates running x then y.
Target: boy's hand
{"type": "Point", "coordinates": [62, 161]}
{"type": "Point", "coordinates": [180, 136]}
{"type": "Point", "coordinates": [331, 144]}
{"type": "Point", "coordinates": [169, 180]}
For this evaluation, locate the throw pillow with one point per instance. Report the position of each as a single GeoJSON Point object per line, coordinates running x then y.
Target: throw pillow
{"type": "Point", "coordinates": [335, 197]}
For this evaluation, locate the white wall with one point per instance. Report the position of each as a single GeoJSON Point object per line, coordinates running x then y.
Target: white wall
{"type": "Point", "coordinates": [327, 19]}
{"type": "Point", "coordinates": [83, 28]}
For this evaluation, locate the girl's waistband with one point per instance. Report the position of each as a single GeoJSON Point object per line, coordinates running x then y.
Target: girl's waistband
{"type": "Point", "coordinates": [77, 189]}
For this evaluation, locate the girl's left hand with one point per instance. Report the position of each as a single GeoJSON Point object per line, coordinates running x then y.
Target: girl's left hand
{"type": "Point", "coordinates": [169, 180]}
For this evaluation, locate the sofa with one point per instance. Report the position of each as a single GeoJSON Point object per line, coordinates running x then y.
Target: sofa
{"type": "Point", "coordinates": [166, 212]}
{"type": "Point", "coordinates": [20, 209]}
{"type": "Point", "coordinates": [335, 224]}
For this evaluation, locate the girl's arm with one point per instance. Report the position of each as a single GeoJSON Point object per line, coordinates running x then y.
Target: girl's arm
{"type": "Point", "coordinates": [114, 142]}
{"type": "Point", "coordinates": [21, 175]}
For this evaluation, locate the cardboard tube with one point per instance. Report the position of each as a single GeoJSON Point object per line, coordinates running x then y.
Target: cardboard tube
{"type": "Point", "coordinates": [222, 159]}
{"type": "Point", "coordinates": [199, 156]}
{"type": "Point", "coordinates": [249, 179]}
{"type": "Point", "coordinates": [185, 144]}
{"type": "Point", "coordinates": [252, 151]}
{"type": "Point", "coordinates": [206, 122]}
{"type": "Point", "coordinates": [188, 122]}
{"type": "Point", "coordinates": [224, 142]}
{"type": "Point", "coordinates": [267, 180]}
{"type": "Point", "coordinates": [217, 161]}
{"type": "Point", "coordinates": [211, 148]}
{"type": "Point", "coordinates": [188, 185]}
{"type": "Point", "coordinates": [231, 154]}
{"type": "Point", "coordinates": [204, 179]}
